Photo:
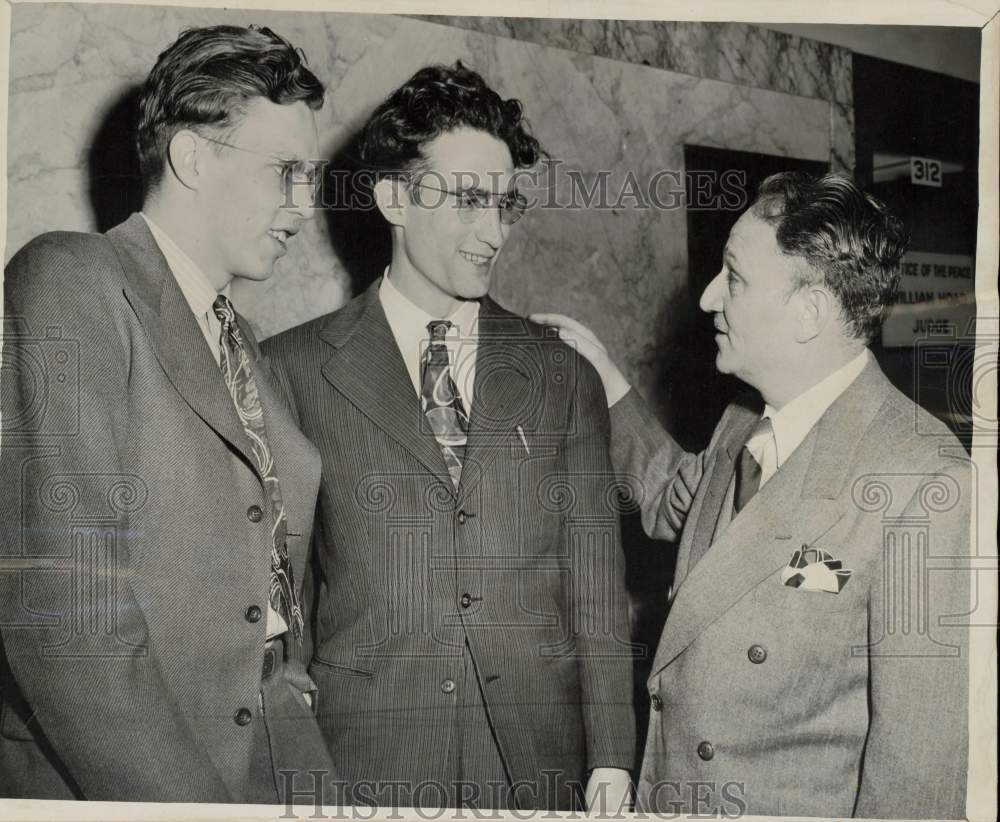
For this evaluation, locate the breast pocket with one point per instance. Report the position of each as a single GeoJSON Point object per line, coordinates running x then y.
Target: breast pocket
{"type": "Point", "coordinates": [773, 592]}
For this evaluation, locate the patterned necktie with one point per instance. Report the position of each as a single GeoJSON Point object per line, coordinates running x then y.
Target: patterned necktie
{"type": "Point", "coordinates": [748, 468]}
{"type": "Point", "coordinates": [243, 389]}
{"type": "Point", "coordinates": [440, 401]}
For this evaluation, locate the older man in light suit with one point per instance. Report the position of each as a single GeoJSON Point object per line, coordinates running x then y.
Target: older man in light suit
{"type": "Point", "coordinates": [789, 679]}
{"type": "Point", "coordinates": [157, 496]}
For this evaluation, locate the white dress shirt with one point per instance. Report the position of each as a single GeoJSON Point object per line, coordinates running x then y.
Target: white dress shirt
{"type": "Point", "coordinates": [789, 427]}
{"type": "Point", "coordinates": [194, 285]}
{"type": "Point", "coordinates": [408, 322]}
{"type": "Point", "coordinates": [200, 294]}
{"type": "Point", "coordinates": [797, 418]}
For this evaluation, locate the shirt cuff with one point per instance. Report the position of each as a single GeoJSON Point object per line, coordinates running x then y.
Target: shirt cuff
{"type": "Point", "coordinates": [616, 388]}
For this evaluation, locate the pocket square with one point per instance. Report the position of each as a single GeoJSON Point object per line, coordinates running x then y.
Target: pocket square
{"type": "Point", "coordinates": [813, 569]}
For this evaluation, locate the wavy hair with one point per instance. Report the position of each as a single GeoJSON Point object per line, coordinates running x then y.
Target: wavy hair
{"type": "Point", "coordinates": [207, 77]}
{"type": "Point", "coordinates": [436, 100]}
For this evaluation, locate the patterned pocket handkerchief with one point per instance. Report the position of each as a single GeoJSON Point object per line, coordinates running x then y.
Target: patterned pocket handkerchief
{"type": "Point", "coordinates": [813, 569]}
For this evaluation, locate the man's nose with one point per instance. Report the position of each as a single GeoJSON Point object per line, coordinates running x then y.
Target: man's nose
{"type": "Point", "coordinates": [711, 297]}
{"type": "Point", "coordinates": [301, 198]}
{"type": "Point", "coordinates": [489, 229]}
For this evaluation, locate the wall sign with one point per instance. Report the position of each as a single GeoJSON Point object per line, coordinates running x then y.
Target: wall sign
{"type": "Point", "coordinates": [936, 298]}
{"type": "Point", "coordinates": [925, 172]}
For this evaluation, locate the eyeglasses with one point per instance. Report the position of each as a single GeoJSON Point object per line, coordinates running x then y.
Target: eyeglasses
{"type": "Point", "coordinates": [294, 172]}
{"type": "Point", "coordinates": [473, 203]}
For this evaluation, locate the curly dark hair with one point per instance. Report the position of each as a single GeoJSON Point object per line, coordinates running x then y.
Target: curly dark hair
{"type": "Point", "coordinates": [207, 77]}
{"type": "Point", "coordinates": [436, 100]}
{"type": "Point", "coordinates": [849, 238]}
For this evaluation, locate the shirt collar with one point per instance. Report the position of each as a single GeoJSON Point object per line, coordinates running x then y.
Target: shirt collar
{"type": "Point", "coordinates": [795, 419]}
{"type": "Point", "coordinates": [410, 320]}
{"type": "Point", "coordinates": [195, 286]}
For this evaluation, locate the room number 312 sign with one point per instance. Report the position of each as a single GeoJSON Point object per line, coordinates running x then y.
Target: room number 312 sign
{"type": "Point", "coordinates": [925, 172]}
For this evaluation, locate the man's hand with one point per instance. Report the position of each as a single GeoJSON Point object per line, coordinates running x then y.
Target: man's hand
{"type": "Point", "coordinates": [586, 343]}
{"type": "Point", "coordinates": [609, 791]}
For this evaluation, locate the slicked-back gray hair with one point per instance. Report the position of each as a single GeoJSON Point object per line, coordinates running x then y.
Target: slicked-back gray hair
{"type": "Point", "coordinates": [847, 237]}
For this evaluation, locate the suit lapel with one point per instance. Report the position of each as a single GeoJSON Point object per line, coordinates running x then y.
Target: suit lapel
{"type": "Point", "coordinates": [843, 428]}
{"type": "Point", "coordinates": [799, 504]}
{"type": "Point", "coordinates": [720, 476]}
{"type": "Point", "coordinates": [173, 332]}
{"type": "Point", "coordinates": [754, 546]}
{"type": "Point", "coordinates": [365, 365]}
{"type": "Point", "coordinates": [502, 386]}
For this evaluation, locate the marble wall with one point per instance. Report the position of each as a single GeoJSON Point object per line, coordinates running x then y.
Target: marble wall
{"type": "Point", "coordinates": [732, 52]}
{"type": "Point", "coordinates": [604, 97]}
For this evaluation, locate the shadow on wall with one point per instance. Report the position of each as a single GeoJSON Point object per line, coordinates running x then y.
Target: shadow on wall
{"type": "Point", "coordinates": [113, 178]}
{"type": "Point", "coordinates": [359, 234]}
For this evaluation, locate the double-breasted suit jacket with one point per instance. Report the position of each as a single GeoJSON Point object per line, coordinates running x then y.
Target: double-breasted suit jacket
{"type": "Point", "coordinates": [796, 701]}
{"type": "Point", "coordinates": [521, 563]}
{"type": "Point", "coordinates": [136, 551]}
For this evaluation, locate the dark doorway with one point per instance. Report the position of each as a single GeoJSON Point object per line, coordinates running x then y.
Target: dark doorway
{"type": "Point", "coordinates": [720, 186]}
{"type": "Point", "coordinates": [934, 116]}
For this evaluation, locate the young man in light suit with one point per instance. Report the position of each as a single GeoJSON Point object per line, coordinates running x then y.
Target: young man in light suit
{"type": "Point", "coordinates": [156, 492]}
{"type": "Point", "coordinates": [789, 679]}
{"type": "Point", "coordinates": [471, 637]}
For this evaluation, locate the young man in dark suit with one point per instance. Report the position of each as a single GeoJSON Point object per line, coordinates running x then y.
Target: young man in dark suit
{"type": "Point", "coordinates": [471, 635]}
{"type": "Point", "coordinates": [157, 496]}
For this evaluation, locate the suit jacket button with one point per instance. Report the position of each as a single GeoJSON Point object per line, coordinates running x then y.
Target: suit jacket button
{"type": "Point", "coordinates": [757, 654]}
{"type": "Point", "coordinates": [253, 614]}
{"type": "Point", "coordinates": [448, 686]}
{"type": "Point", "coordinates": [255, 513]}
{"type": "Point", "coordinates": [243, 717]}
{"type": "Point", "coordinates": [466, 600]}
{"type": "Point", "coordinates": [462, 517]}
{"type": "Point", "coordinates": [706, 751]}
{"type": "Point", "coordinates": [656, 703]}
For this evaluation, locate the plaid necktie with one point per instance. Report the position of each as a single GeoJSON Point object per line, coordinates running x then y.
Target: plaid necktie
{"type": "Point", "coordinates": [441, 403]}
{"type": "Point", "coordinates": [748, 468]}
{"type": "Point", "coordinates": [243, 389]}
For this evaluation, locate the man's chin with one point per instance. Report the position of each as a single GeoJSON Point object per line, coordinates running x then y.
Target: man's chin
{"type": "Point", "coordinates": [722, 365]}
{"type": "Point", "coordinates": [259, 273]}
{"type": "Point", "coordinates": [476, 290]}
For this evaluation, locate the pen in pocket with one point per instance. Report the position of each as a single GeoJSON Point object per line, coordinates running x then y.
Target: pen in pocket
{"type": "Point", "coordinates": [524, 442]}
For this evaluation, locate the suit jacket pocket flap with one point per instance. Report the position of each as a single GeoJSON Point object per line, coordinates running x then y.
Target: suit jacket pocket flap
{"type": "Point", "coordinates": [340, 670]}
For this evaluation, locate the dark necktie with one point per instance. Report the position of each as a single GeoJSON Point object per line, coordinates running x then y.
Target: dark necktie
{"type": "Point", "coordinates": [748, 469]}
{"type": "Point", "coordinates": [441, 402]}
{"type": "Point", "coordinates": [239, 378]}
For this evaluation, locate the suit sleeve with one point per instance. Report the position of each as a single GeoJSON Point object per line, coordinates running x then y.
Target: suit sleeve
{"type": "Point", "coordinates": [916, 756]}
{"type": "Point", "coordinates": [600, 605]}
{"type": "Point", "coordinates": [661, 476]}
{"type": "Point", "coordinates": [97, 697]}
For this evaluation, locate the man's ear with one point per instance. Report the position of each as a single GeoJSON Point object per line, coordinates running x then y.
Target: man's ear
{"type": "Point", "coordinates": [391, 199]}
{"type": "Point", "coordinates": [182, 158]}
{"type": "Point", "coordinates": [817, 307]}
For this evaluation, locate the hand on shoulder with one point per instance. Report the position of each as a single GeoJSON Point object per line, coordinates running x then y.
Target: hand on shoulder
{"type": "Point", "coordinates": [590, 348]}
